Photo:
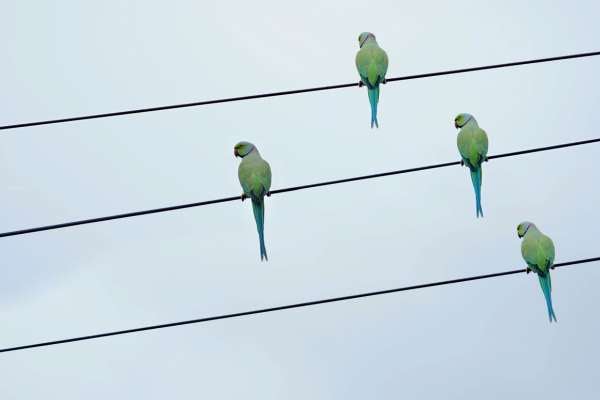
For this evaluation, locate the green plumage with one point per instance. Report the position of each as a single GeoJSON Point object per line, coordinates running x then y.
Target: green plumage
{"type": "Point", "coordinates": [372, 64]}
{"type": "Point", "coordinates": [538, 252]}
{"type": "Point", "coordinates": [472, 142]}
{"type": "Point", "coordinates": [254, 174]}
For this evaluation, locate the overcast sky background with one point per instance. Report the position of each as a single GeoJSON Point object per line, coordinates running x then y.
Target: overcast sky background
{"type": "Point", "coordinates": [487, 339]}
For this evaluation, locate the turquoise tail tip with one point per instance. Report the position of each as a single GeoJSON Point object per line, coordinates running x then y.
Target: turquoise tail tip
{"type": "Point", "coordinates": [258, 207]}
{"type": "Point", "coordinates": [263, 250]}
{"type": "Point", "coordinates": [374, 122]}
{"type": "Point", "coordinates": [476, 179]}
{"type": "Point", "coordinates": [373, 100]}
{"type": "Point", "coordinates": [546, 286]}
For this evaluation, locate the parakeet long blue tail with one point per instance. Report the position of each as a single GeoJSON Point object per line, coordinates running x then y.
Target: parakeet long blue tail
{"type": "Point", "coordinates": [546, 285]}
{"type": "Point", "coordinates": [476, 177]}
{"type": "Point", "coordinates": [374, 99]}
{"type": "Point", "coordinates": [258, 206]}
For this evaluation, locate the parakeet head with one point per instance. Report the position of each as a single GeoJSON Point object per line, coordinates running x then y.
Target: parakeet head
{"type": "Point", "coordinates": [462, 119]}
{"type": "Point", "coordinates": [523, 227]}
{"type": "Point", "coordinates": [242, 149]}
{"type": "Point", "coordinates": [363, 37]}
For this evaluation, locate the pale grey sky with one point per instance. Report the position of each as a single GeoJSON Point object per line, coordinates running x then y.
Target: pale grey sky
{"type": "Point", "coordinates": [489, 339]}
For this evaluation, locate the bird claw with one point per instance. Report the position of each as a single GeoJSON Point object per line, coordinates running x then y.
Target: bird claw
{"type": "Point", "coordinates": [552, 267]}
{"type": "Point", "coordinates": [486, 159]}
{"type": "Point", "coordinates": [462, 163]}
{"type": "Point", "coordinates": [384, 81]}
{"type": "Point", "coordinates": [361, 84]}
{"type": "Point", "coordinates": [243, 196]}
{"type": "Point", "coordinates": [528, 270]}
{"type": "Point", "coordinates": [268, 193]}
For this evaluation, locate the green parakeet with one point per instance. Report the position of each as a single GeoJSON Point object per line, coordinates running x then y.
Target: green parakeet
{"type": "Point", "coordinates": [538, 252]}
{"type": "Point", "coordinates": [372, 65]}
{"type": "Point", "coordinates": [255, 177]}
{"type": "Point", "coordinates": [472, 142]}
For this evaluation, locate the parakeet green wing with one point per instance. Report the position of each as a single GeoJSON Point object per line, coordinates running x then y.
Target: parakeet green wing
{"type": "Point", "coordinates": [538, 252]}
{"type": "Point", "coordinates": [372, 64]}
{"type": "Point", "coordinates": [254, 174]}
{"type": "Point", "coordinates": [472, 143]}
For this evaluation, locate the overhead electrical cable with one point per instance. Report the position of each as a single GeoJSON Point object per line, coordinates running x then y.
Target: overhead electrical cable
{"type": "Point", "coordinates": [284, 190]}
{"type": "Point", "coordinates": [285, 307]}
{"type": "Point", "coordinates": [296, 91]}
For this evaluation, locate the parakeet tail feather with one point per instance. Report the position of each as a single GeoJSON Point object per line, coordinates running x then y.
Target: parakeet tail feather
{"type": "Point", "coordinates": [476, 177]}
{"type": "Point", "coordinates": [374, 99]}
{"type": "Point", "coordinates": [546, 286]}
{"type": "Point", "coordinates": [258, 206]}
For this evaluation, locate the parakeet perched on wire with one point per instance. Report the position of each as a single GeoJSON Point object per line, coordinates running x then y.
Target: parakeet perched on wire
{"type": "Point", "coordinates": [472, 144]}
{"type": "Point", "coordinates": [255, 177]}
{"type": "Point", "coordinates": [372, 65]}
{"type": "Point", "coordinates": [538, 252]}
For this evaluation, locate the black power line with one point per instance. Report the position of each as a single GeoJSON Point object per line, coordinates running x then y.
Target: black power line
{"type": "Point", "coordinates": [284, 190]}
{"type": "Point", "coordinates": [297, 91]}
{"type": "Point", "coordinates": [286, 307]}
